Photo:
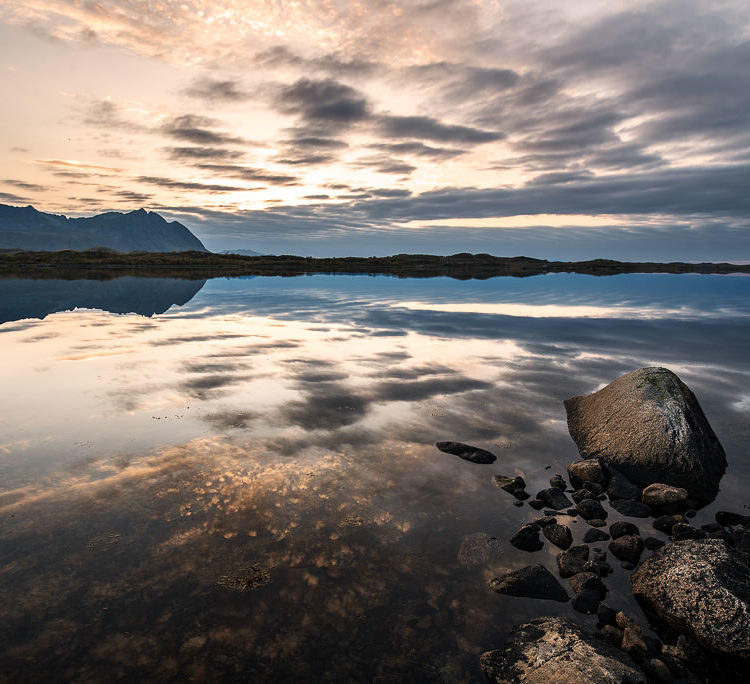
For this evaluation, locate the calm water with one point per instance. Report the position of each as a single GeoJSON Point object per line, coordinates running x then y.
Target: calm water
{"type": "Point", "coordinates": [236, 480]}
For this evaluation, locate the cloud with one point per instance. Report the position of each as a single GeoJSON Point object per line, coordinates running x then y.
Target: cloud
{"type": "Point", "coordinates": [188, 185]}
{"type": "Point", "coordinates": [198, 130]}
{"type": "Point", "coordinates": [419, 149]}
{"type": "Point", "coordinates": [217, 90]}
{"type": "Point", "coordinates": [10, 197]}
{"type": "Point", "coordinates": [324, 102]}
{"type": "Point", "coordinates": [33, 187]}
{"type": "Point", "coordinates": [280, 56]}
{"type": "Point", "coordinates": [192, 153]}
{"type": "Point", "coordinates": [77, 165]}
{"type": "Point", "coordinates": [250, 174]}
{"type": "Point", "coordinates": [428, 128]}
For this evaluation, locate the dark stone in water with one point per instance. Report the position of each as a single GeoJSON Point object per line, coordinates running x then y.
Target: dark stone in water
{"type": "Point", "coordinates": [594, 535]}
{"type": "Point", "coordinates": [521, 494]}
{"type": "Point", "coordinates": [546, 520]}
{"type": "Point", "coordinates": [605, 616]}
{"type": "Point", "coordinates": [659, 494]}
{"type": "Point", "coordinates": [557, 482]}
{"type": "Point", "coordinates": [649, 425]}
{"type": "Point", "coordinates": [627, 548]}
{"type": "Point", "coordinates": [657, 671]}
{"type": "Point", "coordinates": [536, 505]}
{"type": "Point", "coordinates": [712, 527]}
{"type": "Point", "coordinates": [572, 512]}
{"type": "Point", "coordinates": [621, 528]}
{"type": "Point", "coordinates": [591, 509]}
{"type": "Point", "coordinates": [652, 543]}
{"type": "Point", "coordinates": [727, 518]}
{"type": "Point", "coordinates": [597, 522]}
{"type": "Point", "coordinates": [527, 539]}
{"type": "Point", "coordinates": [509, 484]}
{"type": "Point", "coordinates": [682, 531]}
{"type": "Point", "coordinates": [571, 562]}
{"type": "Point", "coordinates": [665, 523]}
{"type": "Point", "coordinates": [554, 498]}
{"type": "Point", "coordinates": [612, 634]}
{"type": "Point", "coordinates": [691, 513]}
{"type": "Point", "coordinates": [518, 504]}
{"type": "Point", "coordinates": [633, 509]}
{"type": "Point", "coordinates": [587, 470]}
{"type": "Point", "coordinates": [619, 487]}
{"type": "Point", "coordinates": [551, 649]}
{"type": "Point", "coordinates": [533, 581]}
{"type": "Point", "coordinates": [559, 535]}
{"type": "Point", "coordinates": [467, 452]}
{"type": "Point", "coordinates": [592, 566]}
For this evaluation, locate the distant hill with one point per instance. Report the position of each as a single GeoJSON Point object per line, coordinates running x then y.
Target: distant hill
{"type": "Point", "coordinates": [137, 231]}
{"type": "Point", "coordinates": [242, 252]}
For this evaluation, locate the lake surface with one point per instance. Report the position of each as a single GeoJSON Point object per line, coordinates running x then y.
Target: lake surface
{"type": "Point", "coordinates": [236, 480]}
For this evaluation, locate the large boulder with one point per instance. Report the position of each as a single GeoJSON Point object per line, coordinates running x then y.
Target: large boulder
{"type": "Point", "coordinates": [648, 425]}
{"type": "Point", "coordinates": [700, 588]}
{"type": "Point", "coordinates": [555, 650]}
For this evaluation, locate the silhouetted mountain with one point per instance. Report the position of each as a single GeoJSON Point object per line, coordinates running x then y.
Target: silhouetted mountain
{"type": "Point", "coordinates": [21, 298]}
{"type": "Point", "coordinates": [137, 231]}
{"type": "Point", "coordinates": [242, 252]}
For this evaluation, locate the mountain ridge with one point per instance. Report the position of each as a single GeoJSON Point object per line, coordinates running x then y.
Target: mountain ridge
{"type": "Point", "coordinates": [29, 229]}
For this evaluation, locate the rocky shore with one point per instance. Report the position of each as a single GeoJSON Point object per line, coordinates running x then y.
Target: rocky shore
{"type": "Point", "coordinates": [649, 454]}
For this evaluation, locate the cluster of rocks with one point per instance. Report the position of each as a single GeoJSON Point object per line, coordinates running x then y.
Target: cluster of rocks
{"type": "Point", "coordinates": [649, 453]}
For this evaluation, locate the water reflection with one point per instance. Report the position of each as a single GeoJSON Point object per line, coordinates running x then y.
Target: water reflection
{"type": "Point", "coordinates": [246, 487]}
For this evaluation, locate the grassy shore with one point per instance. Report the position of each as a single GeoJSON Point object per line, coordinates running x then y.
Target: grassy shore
{"type": "Point", "coordinates": [105, 264]}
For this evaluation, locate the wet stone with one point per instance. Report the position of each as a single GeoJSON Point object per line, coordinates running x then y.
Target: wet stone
{"type": "Point", "coordinates": [665, 523]}
{"type": "Point", "coordinates": [657, 671]}
{"type": "Point", "coordinates": [467, 452]}
{"type": "Point", "coordinates": [627, 548]}
{"type": "Point", "coordinates": [521, 494]}
{"type": "Point", "coordinates": [510, 484]}
{"type": "Point", "coordinates": [558, 482]}
{"type": "Point", "coordinates": [597, 522]}
{"type": "Point", "coordinates": [652, 543]}
{"type": "Point", "coordinates": [543, 522]}
{"type": "Point", "coordinates": [571, 562]}
{"type": "Point", "coordinates": [592, 566]}
{"type": "Point", "coordinates": [605, 616]}
{"type": "Point", "coordinates": [691, 513]}
{"type": "Point", "coordinates": [527, 539]}
{"type": "Point", "coordinates": [728, 518]}
{"type": "Point", "coordinates": [588, 469]}
{"type": "Point", "coordinates": [633, 509]}
{"type": "Point", "coordinates": [518, 503]}
{"type": "Point", "coordinates": [478, 548]}
{"type": "Point", "coordinates": [554, 498]}
{"type": "Point", "coordinates": [559, 535]}
{"type": "Point", "coordinates": [594, 487]}
{"type": "Point", "coordinates": [572, 512]}
{"type": "Point", "coordinates": [612, 634]}
{"type": "Point", "coordinates": [633, 645]}
{"type": "Point", "coordinates": [536, 504]}
{"type": "Point", "coordinates": [621, 528]}
{"type": "Point", "coordinates": [588, 581]}
{"type": "Point", "coordinates": [592, 536]}
{"type": "Point", "coordinates": [591, 509]}
{"type": "Point", "coordinates": [712, 527]}
{"type": "Point", "coordinates": [620, 487]}
{"type": "Point", "coordinates": [533, 581]}
{"type": "Point", "coordinates": [682, 531]}
{"type": "Point", "coordinates": [659, 494]}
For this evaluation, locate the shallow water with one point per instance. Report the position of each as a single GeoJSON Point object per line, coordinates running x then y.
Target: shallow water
{"type": "Point", "coordinates": [239, 481]}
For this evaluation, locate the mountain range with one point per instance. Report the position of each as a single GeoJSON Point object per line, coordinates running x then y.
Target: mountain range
{"type": "Point", "coordinates": [136, 231]}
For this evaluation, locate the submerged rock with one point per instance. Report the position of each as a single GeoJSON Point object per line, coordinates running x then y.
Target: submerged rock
{"type": "Point", "coordinates": [649, 425]}
{"type": "Point", "coordinates": [559, 535]}
{"type": "Point", "coordinates": [467, 452]}
{"type": "Point", "coordinates": [572, 561]}
{"type": "Point", "coordinates": [478, 548]}
{"type": "Point", "coordinates": [527, 538]}
{"type": "Point", "coordinates": [554, 498]}
{"type": "Point", "coordinates": [533, 581]}
{"type": "Point", "coordinates": [634, 509]}
{"type": "Point", "coordinates": [552, 649]}
{"type": "Point", "coordinates": [509, 484]}
{"type": "Point", "coordinates": [700, 588]}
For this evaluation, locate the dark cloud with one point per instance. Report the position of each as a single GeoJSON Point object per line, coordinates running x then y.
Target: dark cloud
{"type": "Point", "coordinates": [130, 196]}
{"type": "Point", "coordinates": [419, 149]}
{"type": "Point", "coordinates": [217, 90]}
{"type": "Point", "coordinates": [280, 56]}
{"type": "Point", "coordinates": [427, 128]}
{"type": "Point", "coordinates": [250, 174]}
{"type": "Point", "coordinates": [33, 187]}
{"type": "Point", "coordinates": [210, 386]}
{"type": "Point", "coordinates": [10, 197]}
{"type": "Point", "coordinates": [328, 407]}
{"type": "Point", "coordinates": [107, 114]}
{"type": "Point", "coordinates": [418, 390]}
{"type": "Point", "coordinates": [326, 102]}
{"type": "Point", "coordinates": [190, 153]}
{"type": "Point", "coordinates": [198, 130]}
{"type": "Point", "coordinates": [384, 164]}
{"type": "Point", "coordinates": [187, 185]}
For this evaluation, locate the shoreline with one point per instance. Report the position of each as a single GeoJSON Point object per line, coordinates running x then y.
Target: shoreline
{"type": "Point", "coordinates": [106, 265]}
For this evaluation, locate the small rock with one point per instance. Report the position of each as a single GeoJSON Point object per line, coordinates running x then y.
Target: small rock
{"type": "Point", "coordinates": [588, 581]}
{"type": "Point", "coordinates": [467, 452]}
{"type": "Point", "coordinates": [536, 504]}
{"type": "Point", "coordinates": [527, 539]}
{"type": "Point", "coordinates": [657, 671]}
{"type": "Point", "coordinates": [659, 494]}
{"type": "Point", "coordinates": [633, 645]}
{"type": "Point", "coordinates": [627, 548]}
{"type": "Point", "coordinates": [633, 509]}
{"type": "Point", "coordinates": [612, 634]}
{"type": "Point", "coordinates": [620, 487]}
{"type": "Point", "coordinates": [521, 494]}
{"type": "Point", "coordinates": [682, 531]}
{"type": "Point", "coordinates": [597, 522]}
{"type": "Point", "coordinates": [712, 527]}
{"type": "Point", "coordinates": [552, 514]}
{"type": "Point", "coordinates": [665, 523]}
{"type": "Point", "coordinates": [510, 484]}
{"type": "Point", "coordinates": [582, 495]}
{"type": "Point", "coordinates": [518, 504]}
{"type": "Point", "coordinates": [559, 535]}
{"type": "Point", "coordinates": [741, 540]}
{"type": "Point", "coordinates": [691, 513]}
{"type": "Point", "coordinates": [543, 522]}
{"type": "Point", "coordinates": [652, 543]}
{"type": "Point", "coordinates": [552, 649]}
{"type": "Point", "coordinates": [653, 645]}
{"type": "Point", "coordinates": [592, 566]}
{"type": "Point", "coordinates": [533, 581]}
{"type": "Point", "coordinates": [591, 509]}
{"type": "Point", "coordinates": [478, 548]}
{"type": "Point", "coordinates": [605, 616]}
{"type": "Point", "coordinates": [592, 536]}
{"type": "Point", "coordinates": [621, 528]}
{"type": "Point", "coordinates": [594, 487]}
{"type": "Point", "coordinates": [623, 620]}
{"type": "Point", "coordinates": [589, 469]}
{"type": "Point", "coordinates": [554, 498]}
{"type": "Point", "coordinates": [572, 512]}
{"type": "Point", "coordinates": [571, 562]}
{"type": "Point", "coordinates": [727, 519]}
{"type": "Point", "coordinates": [557, 482]}
{"type": "Point", "coordinates": [674, 663]}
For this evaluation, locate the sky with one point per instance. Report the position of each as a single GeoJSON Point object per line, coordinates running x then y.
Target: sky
{"type": "Point", "coordinates": [559, 130]}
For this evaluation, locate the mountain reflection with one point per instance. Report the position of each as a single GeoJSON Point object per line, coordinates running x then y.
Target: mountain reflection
{"type": "Point", "coordinates": [21, 298]}
{"type": "Point", "coordinates": [247, 488]}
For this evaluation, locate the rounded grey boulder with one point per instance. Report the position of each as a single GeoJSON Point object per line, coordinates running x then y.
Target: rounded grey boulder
{"type": "Point", "coordinates": [700, 588]}
{"type": "Point", "coordinates": [555, 650]}
{"type": "Point", "coordinates": [649, 426]}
